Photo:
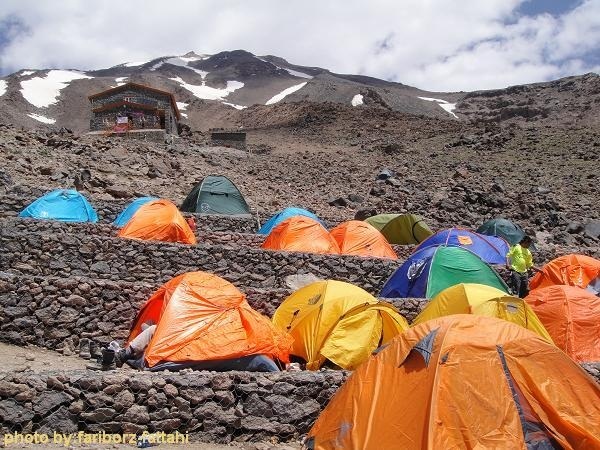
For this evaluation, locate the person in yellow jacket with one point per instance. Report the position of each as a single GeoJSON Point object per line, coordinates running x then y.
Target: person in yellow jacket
{"type": "Point", "coordinates": [520, 262]}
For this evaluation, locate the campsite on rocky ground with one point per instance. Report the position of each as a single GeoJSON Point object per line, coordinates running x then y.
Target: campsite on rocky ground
{"type": "Point", "coordinates": [228, 250]}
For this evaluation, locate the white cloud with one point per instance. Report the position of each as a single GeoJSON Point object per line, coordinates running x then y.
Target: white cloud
{"type": "Point", "coordinates": [437, 45]}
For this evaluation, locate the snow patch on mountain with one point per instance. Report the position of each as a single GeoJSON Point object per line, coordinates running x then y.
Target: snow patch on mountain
{"type": "Point", "coordinates": [44, 91]}
{"type": "Point", "coordinates": [24, 73]}
{"type": "Point", "coordinates": [41, 118]}
{"type": "Point", "coordinates": [134, 64]}
{"type": "Point", "coordinates": [446, 106]}
{"type": "Point", "coordinates": [285, 93]}
{"type": "Point", "coordinates": [357, 100]}
{"type": "Point", "coordinates": [209, 93]}
{"type": "Point", "coordinates": [294, 73]}
{"type": "Point", "coordinates": [3, 86]}
{"type": "Point", "coordinates": [182, 62]}
{"type": "Point", "coordinates": [120, 81]}
{"type": "Point", "coordinates": [182, 107]}
{"type": "Point", "coordinates": [234, 105]}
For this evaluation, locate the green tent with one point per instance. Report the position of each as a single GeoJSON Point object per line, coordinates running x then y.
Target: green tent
{"type": "Point", "coordinates": [401, 228]}
{"type": "Point", "coordinates": [430, 270]}
{"type": "Point", "coordinates": [215, 194]}
{"type": "Point", "coordinates": [503, 228]}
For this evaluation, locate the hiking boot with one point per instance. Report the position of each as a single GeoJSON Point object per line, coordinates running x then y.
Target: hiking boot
{"type": "Point", "coordinates": [95, 350]}
{"type": "Point", "coordinates": [121, 357]}
{"type": "Point", "coordinates": [107, 360]}
{"type": "Point", "coordinates": [84, 348]}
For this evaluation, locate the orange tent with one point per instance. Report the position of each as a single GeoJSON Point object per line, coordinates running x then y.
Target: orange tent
{"type": "Point", "coordinates": [158, 220]}
{"type": "Point", "coordinates": [301, 234]}
{"type": "Point", "coordinates": [463, 382]}
{"type": "Point", "coordinates": [201, 317]}
{"type": "Point", "coordinates": [571, 315]}
{"type": "Point", "coordinates": [572, 270]}
{"type": "Point", "coordinates": [356, 237]}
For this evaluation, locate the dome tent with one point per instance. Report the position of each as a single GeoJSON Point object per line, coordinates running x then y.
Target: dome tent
{"type": "Point", "coordinates": [301, 234]}
{"type": "Point", "coordinates": [158, 220]}
{"type": "Point", "coordinates": [336, 321]}
{"type": "Point", "coordinates": [215, 194]}
{"type": "Point", "coordinates": [64, 205]}
{"type": "Point", "coordinates": [491, 249]}
{"type": "Point", "coordinates": [429, 271]}
{"type": "Point", "coordinates": [463, 381]}
{"type": "Point", "coordinates": [130, 210]}
{"type": "Point", "coordinates": [283, 215]}
{"type": "Point", "coordinates": [482, 300]}
{"type": "Point", "coordinates": [356, 237]}
{"type": "Point", "coordinates": [569, 270]}
{"type": "Point", "coordinates": [572, 317]}
{"type": "Point", "coordinates": [401, 229]}
{"type": "Point", "coordinates": [205, 322]}
{"type": "Point", "coordinates": [507, 230]}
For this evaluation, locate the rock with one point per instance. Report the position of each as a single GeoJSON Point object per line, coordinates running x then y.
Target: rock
{"type": "Point", "coordinates": [290, 410]}
{"type": "Point", "coordinates": [98, 415]}
{"type": "Point", "coordinates": [137, 414]}
{"type": "Point", "coordinates": [256, 406]}
{"type": "Point", "coordinates": [339, 201]}
{"type": "Point", "coordinates": [221, 382]}
{"type": "Point", "coordinates": [45, 170]}
{"type": "Point", "coordinates": [59, 421]}
{"type": "Point", "coordinates": [47, 401]}
{"type": "Point", "coordinates": [13, 412]}
{"type": "Point", "coordinates": [118, 191]}
{"type": "Point", "coordinates": [393, 182]}
{"type": "Point", "coordinates": [460, 172]}
{"type": "Point", "coordinates": [356, 198]}
{"type": "Point", "coordinates": [363, 214]}
{"type": "Point", "coordinates": [100, 267]}
{"type": "Point", "coordinates": [297, 281]}
{"type": "Point", "coordinates": [167, 425]}
{"type": "Point", "coordinates": [153, 172]}
{"type": "Point", "coordinates": [385, 174]}
{"type": "Point", "coordinates": [574, 228]}
{"type": "Point", "coordinates": [123, 400]}
{"type": "Point", "coordinates": [592, 229]}
{"type": "Point", "coordinates": [377, 191]}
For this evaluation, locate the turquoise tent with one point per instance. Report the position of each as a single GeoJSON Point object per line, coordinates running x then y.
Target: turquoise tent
{"type": "Point", "coordinates": [283, 215]}
{"type": "Point", "coordinates": [65, 205]}
{"type": "Point", "coordinates": [130, 210]}
{"type": "Point", "coordinates": [215, 194]}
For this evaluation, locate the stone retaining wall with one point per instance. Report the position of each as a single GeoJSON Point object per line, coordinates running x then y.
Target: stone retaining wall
{"type": "Point", "coordinates": [215, 407]}
{"type": "Point", "coordinates": [55, 313]}
{"type": "Point", "coordinates": [129, 260]}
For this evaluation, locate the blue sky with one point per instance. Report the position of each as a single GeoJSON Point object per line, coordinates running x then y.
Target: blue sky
{"type": "Point", "coordinates": [438, 45]}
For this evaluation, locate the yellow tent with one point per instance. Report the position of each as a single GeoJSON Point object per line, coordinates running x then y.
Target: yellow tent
{"type": "Point", "coordinates": [482, 300]}
{"type": "Point", "coordinates": [337, 321]}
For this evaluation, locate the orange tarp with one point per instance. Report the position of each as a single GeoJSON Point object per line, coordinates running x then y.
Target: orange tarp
{"type": "Point", "coordinates": [158, 220]}
{"type": "Point", "coordinates": [301, 234]}
{"type": "Point", "coordinates": [454, 383]}
{"type": "Point", "coordinates": [201, 317]}
{"type": "Point", "coordinates": [571, 270]}
{"type": "Point", "coordinates": [571, 315]}
{"type": "Point", "coordinates": [356, 237]}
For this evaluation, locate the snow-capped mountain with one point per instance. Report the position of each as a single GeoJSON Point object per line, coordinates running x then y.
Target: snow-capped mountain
{"type": "Point", "coordinates": [211, 90]}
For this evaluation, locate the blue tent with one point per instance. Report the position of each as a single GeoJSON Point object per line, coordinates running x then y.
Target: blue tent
{"type": "Point", "coordinates": [491, 249]}
{"type": "Point", "coordinates": [430, 270]}
{"type": "Point", "coordinates": [131, 209]}
{"type": "Point", "coordinates": [66, 205]}
{"type": "Point", "coordinates": [283, 215]}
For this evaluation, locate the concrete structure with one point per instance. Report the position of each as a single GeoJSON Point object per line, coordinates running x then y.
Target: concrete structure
{"type": "Point", "coordinates": [134, 107]}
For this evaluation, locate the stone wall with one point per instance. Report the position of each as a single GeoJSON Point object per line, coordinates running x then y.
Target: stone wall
{"type": "Point", "coordinates": [214, 407]}
{"type": "Point", "coordinates": [55, 313]}
{"type": "Point", "coordinates": [65, 255]}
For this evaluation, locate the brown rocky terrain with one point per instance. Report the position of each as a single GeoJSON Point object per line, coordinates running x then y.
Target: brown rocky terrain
{"type": "Point", "coordinates": [528, 153]}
